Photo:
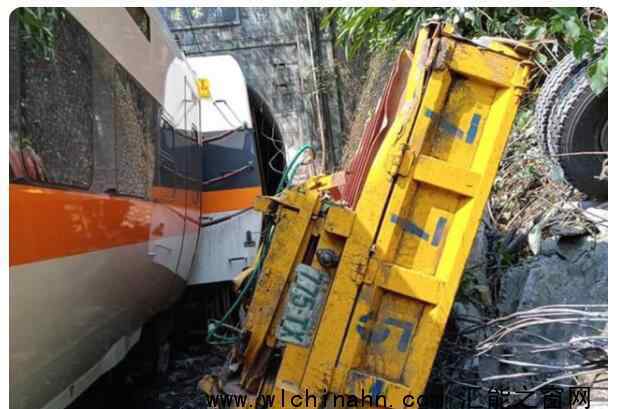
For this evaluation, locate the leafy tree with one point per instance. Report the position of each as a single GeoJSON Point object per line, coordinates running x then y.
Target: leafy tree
{"type": "Point", "coordinates": [584, 31]}
{"type": "Point", "coordinates": [555, 31]}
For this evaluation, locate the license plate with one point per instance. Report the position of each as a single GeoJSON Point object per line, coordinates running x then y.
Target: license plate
{"type": "Point", "coordinates": [305, 300]}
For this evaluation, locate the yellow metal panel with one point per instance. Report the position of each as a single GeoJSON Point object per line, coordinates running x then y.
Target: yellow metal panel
{"type": "Point", "coordinates": [314, 229]}
{"type": "Point", "coordinates": [263, 204]}
{"type": "Point", "coordinates": [339, 221]}
{"type": "Point", "coordinates": [422, 229]}
{"type": "Point", "coordinates": [390, 344]}
{"type": "Point", "coordinates": [461, 234]}
{"type": "Point", "coordinates": [275, 271]}
{"type": "Point", "coordinates": [401, 199]}
{"type": "Point", "coordinates": [484, 65]}
{"type": "Point", "coordinates": [460, 122]}
{"type": "Point", "coordinates": [291, 370]}
{"type": "Point", "coordinates": [330, 335]}
{"type": "Point", "coordinates": [443, 175]}
{"type": "Point", "coordinates": [412, 284]}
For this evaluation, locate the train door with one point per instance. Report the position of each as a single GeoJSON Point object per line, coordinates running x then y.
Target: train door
{"type": "Point", "coordinates": [190, 157]}
{"type": "Point", "coordinates": [167, 225]}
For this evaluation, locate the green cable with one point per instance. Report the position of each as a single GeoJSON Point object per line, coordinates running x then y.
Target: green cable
{"type": "Point", "coordinates": [213, 325]}
{"type": "Point", "coordinates": [290, 170]}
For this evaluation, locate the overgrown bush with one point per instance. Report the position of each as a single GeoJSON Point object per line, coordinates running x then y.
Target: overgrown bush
{"type": "Point", "coordinates": [555, 31]}
{"type": "Point", "coordinates": [36, 28]}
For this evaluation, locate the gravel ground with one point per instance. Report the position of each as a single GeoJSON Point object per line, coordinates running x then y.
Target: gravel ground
{"type": "Point", "coordinates": [178, 389]}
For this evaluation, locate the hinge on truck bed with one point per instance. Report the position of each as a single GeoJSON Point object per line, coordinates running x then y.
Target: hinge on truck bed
{"type": "Point", "coordinates": [401, 160]}
{"type": "Point", "coordinates": [444, 53]}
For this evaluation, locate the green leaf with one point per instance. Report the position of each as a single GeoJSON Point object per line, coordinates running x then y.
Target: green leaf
{"type": "Point", "coordinates": [534, 31]}
{"type": "Point", "coordinates": [556, 26]}
{"type": "Point", "coordinates": [583, 45]}
{"type": "Point", "coordinates": [572, 28]}
{"type": "Point", "coordinates": [541, 58]}
{"type": "Point", "coordinates": [603, 64]}
{"type": "Point", "coordinates": [598, 82]}
{"type": "Point", "coordinates": [567, 11]}
{"type": "Point", "coordinates": [578, 49]}
{"type": "Point", "coordinates": [598, 74]}
{"type": "Point", "coordinates": [599, 25]}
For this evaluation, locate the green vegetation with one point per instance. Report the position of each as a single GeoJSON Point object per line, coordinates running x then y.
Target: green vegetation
{"type": "Point", "coordinates": [36, 28]}
{"type": "Point", "coordinates": [555, 31]}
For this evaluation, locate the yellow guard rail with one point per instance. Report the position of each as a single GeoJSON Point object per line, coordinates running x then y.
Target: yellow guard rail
{"type": "Point", "coordinates": [355, 302]}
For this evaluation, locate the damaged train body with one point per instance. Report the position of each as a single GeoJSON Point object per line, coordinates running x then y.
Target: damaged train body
{"type": "Point", "coordinates": [125, 179]}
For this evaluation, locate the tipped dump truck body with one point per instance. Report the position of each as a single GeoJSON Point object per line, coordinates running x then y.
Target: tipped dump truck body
{"type": "Point", "coordinates": [353, 298]}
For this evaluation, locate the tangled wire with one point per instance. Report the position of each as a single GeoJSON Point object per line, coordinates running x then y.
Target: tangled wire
{"type": "Point", "coordinates": [514, 352]}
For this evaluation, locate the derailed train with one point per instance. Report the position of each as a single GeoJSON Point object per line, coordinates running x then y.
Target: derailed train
{"type": "Point", "coordinates": [126, 183]}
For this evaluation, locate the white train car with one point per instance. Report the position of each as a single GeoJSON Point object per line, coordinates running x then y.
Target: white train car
{"type": "Point", "coordinates": [231, 173]}
{"type": "Point", "coordinates": [125, 187]}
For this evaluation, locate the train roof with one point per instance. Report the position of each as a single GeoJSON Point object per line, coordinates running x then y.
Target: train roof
{"type": "Point", "coordinates": [151, 61]}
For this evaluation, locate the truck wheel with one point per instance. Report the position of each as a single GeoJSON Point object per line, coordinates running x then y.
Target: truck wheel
{"type": "Point", "coordinates": [578, 127]}
{"type": "Point", "coordinates": [553, 84]}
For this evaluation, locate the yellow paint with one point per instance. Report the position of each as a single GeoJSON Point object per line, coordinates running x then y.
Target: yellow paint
{"type": "Point", "coordinates": [403, 249]}
{"type": "Point", "coordinates": [203, 88]}
{"type": "Point", "coordinates": [276, 269]}
{"type": "Point", "coordinates": [411, 284]}
{"type": "Point", "coordinates": [339, 221]}
{"type": "Point", "coordinates": [442, 174]}
{"type": "Point", "coordinates": [263, 204]}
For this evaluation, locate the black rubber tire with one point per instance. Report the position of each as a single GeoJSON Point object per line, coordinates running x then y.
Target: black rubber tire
{"type": "Point", "coordinates": [557, 79]}
{"type": "Point", "coordinates": [578, 123]}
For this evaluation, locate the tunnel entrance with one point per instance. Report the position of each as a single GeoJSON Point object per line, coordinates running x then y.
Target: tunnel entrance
{"type": "Point", "coordinates": [269, 142]}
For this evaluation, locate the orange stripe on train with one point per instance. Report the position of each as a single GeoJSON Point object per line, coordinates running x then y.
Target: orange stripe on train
{"type": "Point", "coordinates": [47, 223]}
{"type": "Point", "coordinates": [229, 199]}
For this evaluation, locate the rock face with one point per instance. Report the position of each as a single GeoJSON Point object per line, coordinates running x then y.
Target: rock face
{"type": "Point", "coordinates": [476, 262]}
{"type": "Point", "coordinates": [540, 306]}
{"type": "Point", "coordinates": [569, 270]}
{"type": "Point", "coordinates": [578, 276]}
{"type": "Point", "coordinates": [474, 292]}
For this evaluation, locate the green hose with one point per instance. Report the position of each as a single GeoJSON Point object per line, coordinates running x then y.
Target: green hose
{"type": "Point", "coordinates": [213, 336]}
{"type": "Point", "coordinates": [290, 170]}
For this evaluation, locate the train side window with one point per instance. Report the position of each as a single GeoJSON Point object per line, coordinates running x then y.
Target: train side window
{"type": "Point", "coordinates": [53, 143]}
{"type": "Point", "coordinates": [195, 166]}
{"type": "Point", "coordinates": [167, 163]}
{"type": "Point", "coordinates": [135, 121]}
{"type": "Point", "coordinates": [167, 137]}
{"type": "Point", "coordinates": [182, 148]}
{"type": "Point", "coordinates": [141, 18]}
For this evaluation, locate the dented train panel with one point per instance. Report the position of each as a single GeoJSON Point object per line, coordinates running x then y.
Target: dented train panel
{"type": "Point", "coordinates": [108, 185]}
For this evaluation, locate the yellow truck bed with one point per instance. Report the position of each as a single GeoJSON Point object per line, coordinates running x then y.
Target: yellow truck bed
{"type": "Point", "coordinates": [354, 302]}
